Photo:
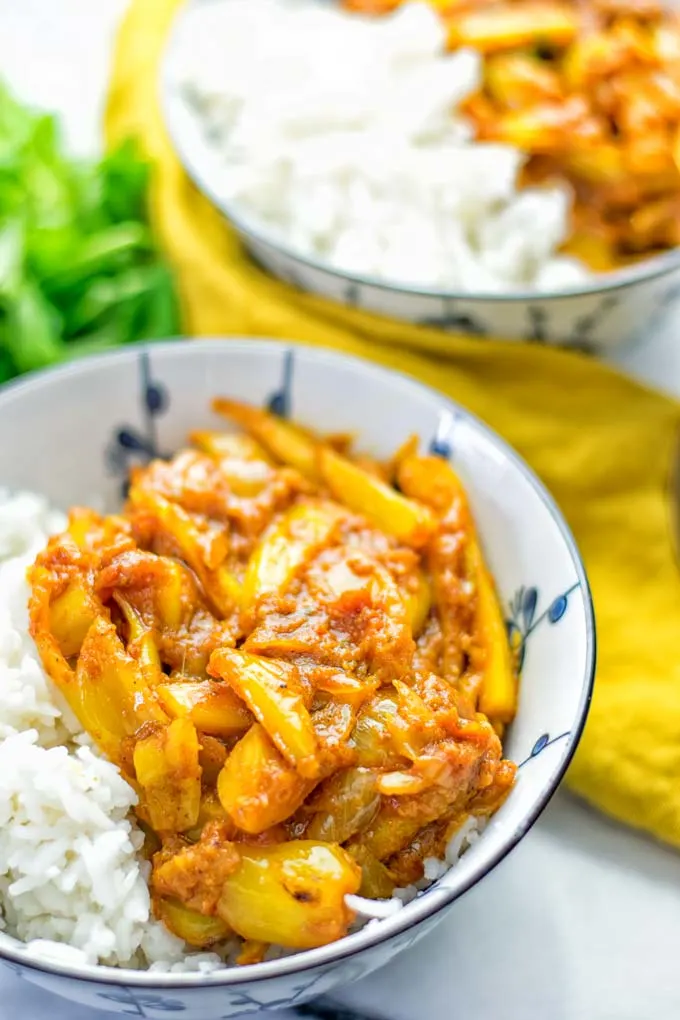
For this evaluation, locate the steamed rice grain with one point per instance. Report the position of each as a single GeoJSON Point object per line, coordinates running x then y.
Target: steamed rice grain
{"type": "Point", "coordinates": [341, 136]}
{"type": "Point", "coordinates": [71, 882]}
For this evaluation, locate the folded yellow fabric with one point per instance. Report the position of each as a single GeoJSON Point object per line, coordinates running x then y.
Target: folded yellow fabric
{"type": "Point", "coordinates": [604, 446]}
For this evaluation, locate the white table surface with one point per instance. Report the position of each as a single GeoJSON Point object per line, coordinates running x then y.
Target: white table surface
{"type": "Point", "coordinates": [582, 921]}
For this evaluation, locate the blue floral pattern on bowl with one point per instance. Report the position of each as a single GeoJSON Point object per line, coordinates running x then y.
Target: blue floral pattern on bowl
{"type": "Point", "coordinates": [136, 1003]}
{"type": "Point", "coordinates": [138, 445]}
{"type": "Point", "coordinates": [522, 620]}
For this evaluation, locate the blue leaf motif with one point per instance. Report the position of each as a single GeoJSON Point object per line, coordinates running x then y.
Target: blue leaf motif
{"type": "Point", "coordinates": [514, 633]}
{"type": "Point", "coordinates": [123, 998]}
{"type": "Point", "coordinates": [558, 609]}
{"type": "Point", "coordinates": [440, 448]}
{"type": "Point", "coordinates": [128, 439]}
{"type": "Point", "coordinates": [529, 600]}
{"type": "Point", "coordinates": [539, 745]}
{"type": "Point", "coordinates": [452, 319]}
{"type": "Point", "coordinates": [280, 403]}
{"type": "Point", "coordinates": [129, 445]}
{"type": "Point", "coordinates": [441, 445]}
{"type": "Point", "coordinates": [585, 326]}
{"type": "Point", "coordinates": [538, 324]}
{"type": "Point", "coordinates": [156, 398]}
{"type": "Point", "coordinates": [521, 653]}
{"type": "Point", "coordinates": [522, 623]}
{"type": "Point", "coordinates": [144, 1000]}
{"type": "Point", "coordinates": [159, 1003]}
{"type": "Point", "coordinates": [277, 405]}
{"type": "Point", "coordinates": [154, 395]}
{"type": "Point", "coordinates": [515, 608]}
{"type": "Point", "coordinates": [543, 741]}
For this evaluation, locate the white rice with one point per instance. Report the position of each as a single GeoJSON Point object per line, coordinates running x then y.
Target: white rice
{"type": "Point", "coordinates": [72, 883]}
{"type": "Point", "coordinates": [338, 134]}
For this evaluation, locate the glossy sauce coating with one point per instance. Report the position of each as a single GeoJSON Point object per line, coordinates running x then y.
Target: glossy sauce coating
{"type": "Point", "coordinates": [285, 650]}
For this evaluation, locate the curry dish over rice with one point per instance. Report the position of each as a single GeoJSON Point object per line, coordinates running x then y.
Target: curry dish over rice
{"type": "Point", "coordinates": [296, 657]}
{"type": "Point", "coordinates": [590, 89]}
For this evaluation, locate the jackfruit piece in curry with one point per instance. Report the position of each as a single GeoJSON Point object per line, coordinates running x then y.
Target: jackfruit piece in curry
{"type": "Point", "coordinates": [298, 660]}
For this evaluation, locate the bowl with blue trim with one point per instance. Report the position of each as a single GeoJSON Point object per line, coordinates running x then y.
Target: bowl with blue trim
{"type": "Point", "coordinates": [76, 432]}
{"type": "Point", "coordinates": [602, 312]}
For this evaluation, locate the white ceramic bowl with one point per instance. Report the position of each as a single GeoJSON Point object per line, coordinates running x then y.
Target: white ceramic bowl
{"type": "Point", "coordinates": [73, 432]}
{"type": "Point", "coordinates": [612, 310]}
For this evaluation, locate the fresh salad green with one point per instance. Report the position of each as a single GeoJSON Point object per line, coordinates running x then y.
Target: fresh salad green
{"type": "Point", "coordinates": [79, 271]}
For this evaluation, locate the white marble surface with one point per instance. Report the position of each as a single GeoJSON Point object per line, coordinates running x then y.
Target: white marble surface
{"type": "Point", "coordinates": [582, 922]}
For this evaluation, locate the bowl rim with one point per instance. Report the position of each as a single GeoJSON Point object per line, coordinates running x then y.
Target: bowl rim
{"type": "Point", "coordinates": [424, 907]}
{"type": "Point", "coordinates": [172, 104]}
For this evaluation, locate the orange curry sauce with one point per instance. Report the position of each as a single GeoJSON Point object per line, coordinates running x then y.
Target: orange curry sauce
{"type": "Point", "coordinates": [298, 660]}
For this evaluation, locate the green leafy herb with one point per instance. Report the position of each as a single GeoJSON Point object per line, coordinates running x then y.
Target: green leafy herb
{"type": "Point", "coordinates": [79, 271]}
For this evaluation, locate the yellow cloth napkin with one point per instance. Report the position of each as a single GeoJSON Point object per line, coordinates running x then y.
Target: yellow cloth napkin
{"type": "Point", "coordinates": [604, 446]}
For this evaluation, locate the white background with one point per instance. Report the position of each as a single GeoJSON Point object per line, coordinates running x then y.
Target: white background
{"type": "Point", "coordinates": [582, 922]}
